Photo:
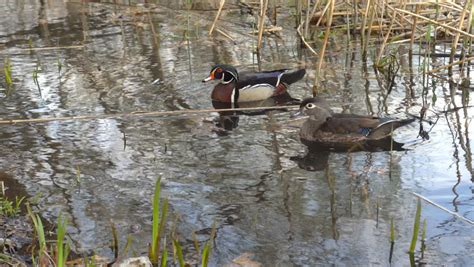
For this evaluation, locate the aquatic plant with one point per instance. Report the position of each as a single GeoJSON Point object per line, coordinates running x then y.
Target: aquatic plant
{"type": "Point", "coordinates": [416, 228]}
{"type": "Point", "coordinates": [62, 249]}
{"type": "Point", "coordinates": [10, 208]}
{"type": "Point", "coordinates": [158, 223]}
{"type": "Point", "coordinates": [35, 78]}
{"type": "Point", "coordinates": [392, 240]}
{"type": "Point", "coordinates": [7, 70]}
{"type": "Point", "coordinates": [423, 239]}
{"type": "Point", "coordinates": [178, 252]}
{"type": "Point", "coordinates": [42, 253]}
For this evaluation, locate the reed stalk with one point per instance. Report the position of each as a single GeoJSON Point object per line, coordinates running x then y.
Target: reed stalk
{"type": "Point", "coordinates": [308, 18]}
{"type": "Point", "coordinates": [323, 48]}
{"type": "Point", "coordinates": [364, 23]}
{"type": "Point", "coordinates": [387, 35]}
{"type": "Point", "coordinates": [458, 34]}
{"type": "Point", "coordinates": [221, 5]}
{"type": "Point", "coordinates": [261, 23]}
{"type": "Point", "coordinates": [446, 26]}
{"type": "Point", "coordinates": [369, 31]}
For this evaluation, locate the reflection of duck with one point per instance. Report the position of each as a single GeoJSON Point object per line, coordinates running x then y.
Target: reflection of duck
{"type": "Point", "coordinates": [314, 160]}
{"type": "Point", "coordinates": [346, 132]}
{"type": "Point", "coordinates": [250, 87]}
{"type": "Point", "coordinates": [229, 120]}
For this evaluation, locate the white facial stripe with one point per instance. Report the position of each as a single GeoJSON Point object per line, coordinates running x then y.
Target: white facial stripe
{"type": "Point", "coordinates": [232, 98]}
{"type": "Point", "coordinates": [226, 82]}
{"type": "Point", "coordinates": [279, 77]}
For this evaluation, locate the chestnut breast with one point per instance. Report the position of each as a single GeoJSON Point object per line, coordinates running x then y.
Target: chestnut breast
{"type": "Point", "coordinates": [223, 92]}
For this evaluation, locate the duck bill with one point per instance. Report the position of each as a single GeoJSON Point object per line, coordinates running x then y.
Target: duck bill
{"type": "Point", "coordinates": [210, 78]}
{"type": "Point", "coordinates": [297, 114]}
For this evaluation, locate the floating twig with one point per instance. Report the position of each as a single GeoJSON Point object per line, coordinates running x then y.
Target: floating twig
{"type": "Point", "coordinates": [455, 214]}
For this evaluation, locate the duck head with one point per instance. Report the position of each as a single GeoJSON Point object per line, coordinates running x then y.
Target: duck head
{"type": "Point", "coordinates": [224, 73]}
{"type": "Point", "coordinates": [315, 108]}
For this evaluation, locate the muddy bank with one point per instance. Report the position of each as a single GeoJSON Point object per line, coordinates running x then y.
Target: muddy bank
{"type": "Point", "coordinates": [16, 230]}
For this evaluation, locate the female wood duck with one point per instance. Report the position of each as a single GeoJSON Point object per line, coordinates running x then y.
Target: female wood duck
{"type": "Point", "coordinates": [250, 86]}
{"type": "Point", "coordinates": [346, 132]}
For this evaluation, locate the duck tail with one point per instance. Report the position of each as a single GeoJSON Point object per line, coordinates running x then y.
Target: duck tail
{"type": "Point", "coordinates": [292, 77]}
{"type": "Point", "coordinates": [387, 127]}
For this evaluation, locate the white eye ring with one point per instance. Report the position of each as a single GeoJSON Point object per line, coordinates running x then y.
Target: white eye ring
{"type": "Point", "coordinates": [310, 106]}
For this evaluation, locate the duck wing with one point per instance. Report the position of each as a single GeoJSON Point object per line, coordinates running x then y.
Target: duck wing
{"type": "Point", "coordinates": [350, 125]}
{"type": "Point", "coordinates": [369, 126]}
{"type": "Point", "coordinates": [387, 127]}
{"type": "Point", "coordinates": [274, 77]}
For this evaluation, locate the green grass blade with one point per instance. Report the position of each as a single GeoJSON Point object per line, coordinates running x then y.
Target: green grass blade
{"type": "Point", "coordinates": [206, 251]}
{"type": "Point", "coordinates": [416, 227]}
{"type": "Point", "coordinates": [155, 223]}
{"type": "Point", "coordinates": [41, 236]}
{"type": "Point", "coordinates": [127, 245]}
{"type": "Point", "coordinates": [423, 232]}
{"type": "Point", "coordinates": [164, 255]}
{"type": "Point", "coordinates": [179, 252]}
{"type": "Point", "coordinates": [61, 250]}
{"type": "Point", "coordinates": [392, 231]}
{"type": "Point", "coordinates": [205, 254]}
{"type": "Point", "coordinates": [164, 213]}
{"type": "Point", "coordinates": [196, 243]}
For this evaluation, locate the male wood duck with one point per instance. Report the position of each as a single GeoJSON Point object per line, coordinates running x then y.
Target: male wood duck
{"type": "Point", "coordinates": [325, 129]}
{"type": "Point", "coordinates": [249, 87]}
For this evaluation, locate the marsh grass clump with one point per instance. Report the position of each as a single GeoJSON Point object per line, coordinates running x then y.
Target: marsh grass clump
{"type": "Point", "coordinates": [9, 207]}
{"type": "Point", "coordinates": [7, 71]}
{"type": "Point", "coordinates": [416, 231]}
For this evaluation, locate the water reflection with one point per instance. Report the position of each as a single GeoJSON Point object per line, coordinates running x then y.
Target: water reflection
{"type": "Point", "coordinates": [229, 120]}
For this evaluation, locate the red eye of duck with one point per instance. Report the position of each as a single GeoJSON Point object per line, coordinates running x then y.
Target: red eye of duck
{"type": "Point", "coordinates": [218, 70]}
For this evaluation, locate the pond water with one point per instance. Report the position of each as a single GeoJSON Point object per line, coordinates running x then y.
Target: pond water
{"type": "Point", "coordinates": [283, 211]}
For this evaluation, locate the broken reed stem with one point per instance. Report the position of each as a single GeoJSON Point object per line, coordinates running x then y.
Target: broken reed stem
{"type": "Point", "coordinates": [308, 19]}
{"type": "Point", "coordinates": [456, 37]}
{"type": "Point", "coordinates": [435, 22]}
{"type": "Point", "coordinates": [323, 49]}
{"type": "Point", "coordinates": [139, 114]}
{"type": "Point", "coordinates": [470, 28]}
{"type": "Point", "coordinates": [306, 25]}
{"type": "Point", "coordinates": [369, 30]}
{"type": "Point", "coordinates": [225, 34]}
{"type": "Point", "coordinates": [263, 9]}
{"type": "Point", "coordinates": [221, 5]}
{"type": "Point", "coordinates": [298, 30]}
{"type": "Point", "coordinates": [413, 28]}
{"type": "Point", "coordinates": [450, 65]}
{"type": "Point", "coordinates": [364, 22]}
{"type": "Point", "coordinates": [323, 13]}
{"type": "Point", "coordinates": [382, 48]}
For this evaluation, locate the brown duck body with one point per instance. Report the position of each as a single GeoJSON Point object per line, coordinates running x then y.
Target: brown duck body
{"type": "Point", "coordinates": [347, 132]}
